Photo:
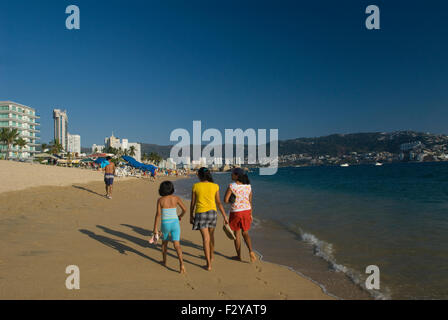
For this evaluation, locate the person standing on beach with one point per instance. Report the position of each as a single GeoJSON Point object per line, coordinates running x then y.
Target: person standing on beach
{"type": "Point", "coordinates": [167, 212]}
{"type": "Point", "coordinates": [203, 212]}
{"type": "Point", "coordinates": [241, 210]}
{"type": "Point", "coordinates": [109, 174]}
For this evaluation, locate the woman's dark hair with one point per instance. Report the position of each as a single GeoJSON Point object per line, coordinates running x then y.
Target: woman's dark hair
{"type": "Point", "coordinates": [241, 175]}
{"type": "Point", "coordinates": [166, 188]}
{"type": "Point", "coordinates": [205, 175]}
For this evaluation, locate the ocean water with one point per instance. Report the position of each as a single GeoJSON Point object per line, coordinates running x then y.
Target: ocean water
{"type": "Point", "coordinates": [330, 223]}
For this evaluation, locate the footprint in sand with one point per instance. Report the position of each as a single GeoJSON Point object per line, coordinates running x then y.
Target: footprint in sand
{"type": "Point", "coordinates": [189, 286]}
{"type": "Point", "coordinates": [222, 294]}
{"type": "Point", "coordinates": [284, 296]}
{"type": "Point", "coordinates": [259, 279]}
{"type": "Point", "coordinates": [259, 269]}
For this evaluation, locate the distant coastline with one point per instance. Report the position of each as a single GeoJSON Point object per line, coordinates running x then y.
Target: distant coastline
{"type": "Point", "coordinates": [353, 148]}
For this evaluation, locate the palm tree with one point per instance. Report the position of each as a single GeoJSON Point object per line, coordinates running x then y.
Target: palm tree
{"type": "Point", "coordinates": [21, 143]}
{"type": "Point", "coordinates": [112, 150]}
{"type": "Point", "coordinates": [9, 137]}
{"type": "Point", "coordinates": [132, 151]}
{"type": "Point", "coordinates": [43, 146]}
{"type": "Point", "coordinates": [155, 158]}
{"type": "Point", "coordinates": [56, 147]}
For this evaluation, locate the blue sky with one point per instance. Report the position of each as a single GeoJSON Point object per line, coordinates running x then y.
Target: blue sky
{"type": "Point", "coordinates": [308, 68]}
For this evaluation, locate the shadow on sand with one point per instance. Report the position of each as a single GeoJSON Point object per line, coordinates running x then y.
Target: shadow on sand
{"type": "Point", "coordinates": [119, 246]}
{"type": "Point", "coordinates": [122, 248]}
{"type": "Point", "coordinates": [183, 242]}
{"type": "Point", "coordinates": [145, 243]}
{"type": "Point", "coordinates": [88, 190]}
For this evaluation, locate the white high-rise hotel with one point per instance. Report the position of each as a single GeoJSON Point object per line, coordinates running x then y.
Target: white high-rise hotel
{"type": "Point", "coordinates": [60, 127]}
{"type": "Point", "coordinates": [25, 120]}
{"type": "Point", "coordinates": [70, 142]}
{"type": "Point", "coordinates": [74, 143]}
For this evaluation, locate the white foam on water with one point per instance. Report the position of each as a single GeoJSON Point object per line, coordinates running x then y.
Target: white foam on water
{"type": "Point", "coordinates": [325, 251]}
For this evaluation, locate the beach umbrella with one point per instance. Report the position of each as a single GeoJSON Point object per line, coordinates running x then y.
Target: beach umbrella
{"type": "Point", "coordinates": [102, 162]}
{"type": "Point", "coordinates": [138, 165]}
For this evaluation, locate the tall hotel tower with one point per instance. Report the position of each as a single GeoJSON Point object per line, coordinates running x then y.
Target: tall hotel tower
{"type": "Point", "coordinates": [60, 127]}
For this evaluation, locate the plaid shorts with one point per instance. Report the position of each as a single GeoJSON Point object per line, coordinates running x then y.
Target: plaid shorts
{"type": "Point", "coordinates": [205, 220]}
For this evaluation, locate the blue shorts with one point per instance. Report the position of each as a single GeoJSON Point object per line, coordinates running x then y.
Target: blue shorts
{"type": "Point", "coordinates": [109, 179]}
{"type": "Point", "coordinates": [171, 227]}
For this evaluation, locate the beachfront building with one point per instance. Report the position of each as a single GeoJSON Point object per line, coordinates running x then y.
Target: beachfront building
{"type": "Point", "coordinates": [60, 127]}
{"type": "Point", "coordinates": [124, 144]}
{"type": "Point", "coordinates": [167, 164]}
{"type": "Point", "coordinates": [25, 120]}
{"type": "Point", "coordinates": [74, 143]}
{"type": "Point", "coordinates": [97, 148]}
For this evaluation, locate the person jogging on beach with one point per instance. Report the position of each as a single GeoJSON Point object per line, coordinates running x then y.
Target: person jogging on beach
{"type": "Point", "coordinates": [167, 212]}
{"type": "Point", "coordinates": [109, 174]}
{"type": "Point", "coordinates": [241, 210]}
{"type": "Point", "coordinates": [203, 212]}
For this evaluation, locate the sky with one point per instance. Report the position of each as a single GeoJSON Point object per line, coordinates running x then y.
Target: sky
{"type": "Point", "coordinates": [143, 68]}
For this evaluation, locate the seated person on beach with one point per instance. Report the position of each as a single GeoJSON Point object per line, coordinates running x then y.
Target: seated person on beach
{"type": "Point", "coordinates": [167, 212]}
{"type": "Point", "coordinates": [109, 174]}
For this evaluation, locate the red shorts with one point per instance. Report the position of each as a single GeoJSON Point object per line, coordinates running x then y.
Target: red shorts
{"type": "Point", "coordinates": [240, 220]}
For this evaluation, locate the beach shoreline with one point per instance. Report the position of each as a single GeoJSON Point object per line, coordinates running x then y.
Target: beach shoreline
{"type": "Point", "coordinates": [278, 245]}
{"type": "Point", "coordinates": [46, 228]}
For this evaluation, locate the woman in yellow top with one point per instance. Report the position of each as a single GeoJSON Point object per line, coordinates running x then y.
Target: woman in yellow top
{"type": "Point", "coordinates": [203, 212]}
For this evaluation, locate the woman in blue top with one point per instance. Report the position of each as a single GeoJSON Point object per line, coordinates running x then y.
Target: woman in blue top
{"type": "Point", "coordinates": [167, 212]}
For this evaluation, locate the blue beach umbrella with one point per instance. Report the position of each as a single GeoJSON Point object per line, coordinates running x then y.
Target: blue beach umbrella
{"type": "Point", "coordinates": [102, 162]}
{"type": "Point", "coordinates": [138, 165]}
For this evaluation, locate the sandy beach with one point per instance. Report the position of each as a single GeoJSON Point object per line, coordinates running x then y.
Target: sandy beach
{"type": "Point", "coordinates": [19, 176]}
{"type": "Point", "coordinates": [51, 218]}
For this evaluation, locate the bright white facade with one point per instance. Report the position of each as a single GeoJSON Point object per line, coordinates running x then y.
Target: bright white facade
{"type": "Point", "coordinates": [74, 143]}
{"type": "Point", "coordinates": [124, 144]}
{"type": "Point", "coordinates": [25, 120]}
{"type": "Point", "coordinates": [96, 148]}
{"type": "Point", "coordinates": [60, 127]}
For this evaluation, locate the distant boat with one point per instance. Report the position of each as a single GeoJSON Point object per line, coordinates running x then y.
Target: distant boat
{"type": "Point", "coordinates": [378, 164]}
{"type": "Point", "coordinates": [344, 165]}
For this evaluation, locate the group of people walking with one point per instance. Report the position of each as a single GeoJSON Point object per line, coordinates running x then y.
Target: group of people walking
{"type": "Point", "coordinates": [205, 203]}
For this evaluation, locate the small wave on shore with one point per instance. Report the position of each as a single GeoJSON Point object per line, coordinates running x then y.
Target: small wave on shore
{"type": "Point", "coordinates": [325, 251]}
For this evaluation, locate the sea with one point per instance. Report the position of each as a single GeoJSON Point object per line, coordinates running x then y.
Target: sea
{"type": "Point", "coordinates": [330, 223]}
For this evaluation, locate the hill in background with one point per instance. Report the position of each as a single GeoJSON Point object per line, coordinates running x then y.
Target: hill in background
{"type": "Point", "coordinates": [338, 144]}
